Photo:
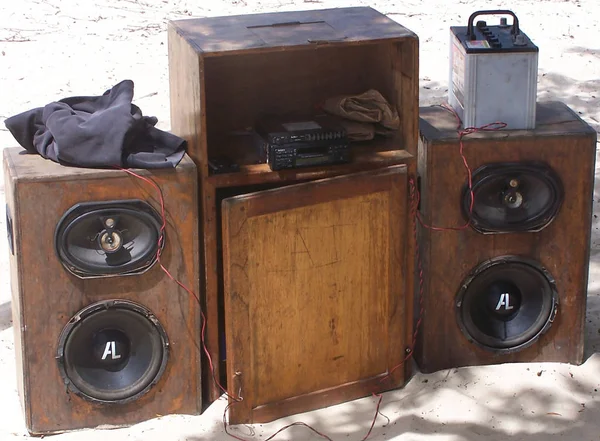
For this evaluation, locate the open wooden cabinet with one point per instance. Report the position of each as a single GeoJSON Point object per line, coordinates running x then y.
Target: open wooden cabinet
{"type": "Point", "coordinates": [308, 272]}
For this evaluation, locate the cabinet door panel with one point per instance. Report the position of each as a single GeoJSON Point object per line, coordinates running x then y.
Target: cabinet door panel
{"type": "Point", "coordinates": [315, 292]}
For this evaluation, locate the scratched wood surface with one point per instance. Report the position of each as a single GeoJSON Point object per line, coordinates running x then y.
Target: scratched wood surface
{"type": "Point", "coordinates": [568, 145]}
{"type": "Point", "coordinates": [216, 36]}
{"type": "Point", "coordinates": [315, 292]}
{"type": "Point", "coordinates": [45, 296]}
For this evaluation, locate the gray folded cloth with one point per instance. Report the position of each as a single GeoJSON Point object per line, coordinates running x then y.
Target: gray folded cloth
{"type": "Point", "coordinates": [97, 131]}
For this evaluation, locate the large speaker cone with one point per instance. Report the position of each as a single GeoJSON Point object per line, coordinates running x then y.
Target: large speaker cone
{"type": "Point", "coordinates": [100, 239]}
{"type": "Point", "coordinates": [506, 303]}
{"type": "Point", "coordinates": [112, 351]}
{"type": "Point", "coordinates": [511, 197]}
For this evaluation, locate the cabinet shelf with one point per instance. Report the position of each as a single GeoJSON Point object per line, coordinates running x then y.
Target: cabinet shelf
{"type": "Point", "coordinates": [252, 170]}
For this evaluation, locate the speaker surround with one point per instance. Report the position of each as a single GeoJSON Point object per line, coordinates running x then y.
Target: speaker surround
{"type": "Point", "coordinates": [512, 197]}
{"type": "Point", "coordinates": [112, 351]}
{"type": "Point", "coordinates": [113, 238]}
{"type": "Point", "coordinates": [506, 303]}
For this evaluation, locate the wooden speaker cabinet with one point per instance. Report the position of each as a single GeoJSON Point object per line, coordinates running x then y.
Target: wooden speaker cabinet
{"type": "Point", "coordinates": [512, 285]}
{"type": "Point", "coordinates": [298, 299]}
{"type": "Point", "coordinates": [102, 335]}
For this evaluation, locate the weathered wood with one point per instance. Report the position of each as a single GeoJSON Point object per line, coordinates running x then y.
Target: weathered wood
{"type": "Point", "coordinates": [216, 36]}
{"type": "Point", "coordinates": [225, 72]}
{"type": "Point", "coordinates": [315, 292]}
{"type": "Point", "coordinates": [187, 110]}
{"type": "Point", "coordinates": [568, 145]}
{"type": "Point", "coordinates": [46, 296]}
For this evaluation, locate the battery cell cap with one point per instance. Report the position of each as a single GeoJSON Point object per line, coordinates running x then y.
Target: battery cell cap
{"type": "Point", "coordinates": [520, 40]}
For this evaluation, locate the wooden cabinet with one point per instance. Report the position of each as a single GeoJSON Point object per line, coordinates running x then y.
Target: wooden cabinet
{"type": "Point", "coordinates": [308, 281]}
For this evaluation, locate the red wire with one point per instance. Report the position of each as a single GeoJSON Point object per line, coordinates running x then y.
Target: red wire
{"type": "Point", "coordinates": [189, 291]}
{"type": "Point", "coordinates": [202, 333]}
{"type": "Point", "coordinates": [415, 199]}
{"type": "Point", "coordinates": [374, 419]}
{"type": "Point", "coordinates": [299, 423]}
{"type": "Point", "coordinates": [498, 125]}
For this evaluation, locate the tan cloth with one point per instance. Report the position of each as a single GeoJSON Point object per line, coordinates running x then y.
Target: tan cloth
{"type": "Point", "coordinates": [358, 131]}
{"type": "Point", "coordinates": [369, 107]}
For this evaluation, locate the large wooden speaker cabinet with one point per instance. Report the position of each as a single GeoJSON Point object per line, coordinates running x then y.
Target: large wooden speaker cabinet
{"type": "Point", "coordinates": [102, 335]}
{"type": "Point", "coordinates": [308, 290]}
{"type": "Point", "coordinates": [512, 285]}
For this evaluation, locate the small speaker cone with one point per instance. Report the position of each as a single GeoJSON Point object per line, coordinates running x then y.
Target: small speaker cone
{"type": "Point", "coordinates": [101, 239]}
{"type": "Point", "coordinates": [112, 352]}
{"type": "Point", "coordinates": [506, 303]}
{"type": "Point", "coordinates": [510, 197]}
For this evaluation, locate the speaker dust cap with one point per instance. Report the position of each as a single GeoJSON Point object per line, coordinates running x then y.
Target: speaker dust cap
{"type": "Point", "coordinates": [114, 238]}
{"type": "Point", "coordinates": [512, 197]}
{"type": "Point", "coordinates": [506, 304]}
{"type": "Point", "coordinates": [112, 352]}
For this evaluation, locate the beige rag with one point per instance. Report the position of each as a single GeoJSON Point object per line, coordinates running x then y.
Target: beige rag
{"type": "Point", "coordinates": [365, 110]}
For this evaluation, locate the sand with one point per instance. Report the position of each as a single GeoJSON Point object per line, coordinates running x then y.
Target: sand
{"type": "Point", "coordinates": [51, 49]}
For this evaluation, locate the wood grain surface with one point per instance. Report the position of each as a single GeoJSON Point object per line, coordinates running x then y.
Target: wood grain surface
{"type": "Point", "coordinates": [315, 292]}
{"type": "Point", "coordinates": [46, 296]}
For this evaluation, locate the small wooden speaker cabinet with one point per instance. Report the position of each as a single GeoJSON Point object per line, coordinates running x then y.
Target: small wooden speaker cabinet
{"type": "Point", "coordinates": [512, 285]}
{"type": "Point", "coordinates": [308, 290]}
{"type": "Point", "coordinates": [102, 335]}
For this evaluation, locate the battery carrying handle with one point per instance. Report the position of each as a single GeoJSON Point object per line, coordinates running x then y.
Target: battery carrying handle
{"type": "Point", "coordinates": [515, 28]}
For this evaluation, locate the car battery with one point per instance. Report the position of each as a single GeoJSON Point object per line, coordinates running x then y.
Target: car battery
{"type": "Point", "coordinates": [493, 73]}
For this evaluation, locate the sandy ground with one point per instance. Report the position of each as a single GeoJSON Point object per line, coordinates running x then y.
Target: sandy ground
{"type": "Point", "coordinates": [51, 49]}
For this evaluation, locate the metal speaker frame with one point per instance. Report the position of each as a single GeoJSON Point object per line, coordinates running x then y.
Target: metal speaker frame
{"type": "Point", "coordinates": [506, 181]}
{"type": "Point", "coordinates": [108, 241]}
{"type": "Point", "coordinates": [77, 346]}
{"type": "Point", "coordinates": [467, 301]}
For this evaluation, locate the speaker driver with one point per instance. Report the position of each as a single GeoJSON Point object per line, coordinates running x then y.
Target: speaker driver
{"type": "Point", "coordinates": [510, 197]}
{"type": "Point", "coordinates": [506, 303]}
{"type": "Point", "coordinates": [100, 239]}
{"type": "Point", "coordinates": [112, 352]}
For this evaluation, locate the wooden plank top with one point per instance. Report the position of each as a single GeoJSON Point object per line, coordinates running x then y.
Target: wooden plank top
{"type": "Point", "coordinates": [552, 118]}
{"type": "Point", "coordinates": [33, 167]}
{"type": "Point", "coordinates": [216, 35]}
